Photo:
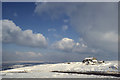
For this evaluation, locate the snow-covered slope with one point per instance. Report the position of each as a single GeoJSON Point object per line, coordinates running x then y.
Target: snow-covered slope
{"type": "Point", "coordinates": [44, 70]}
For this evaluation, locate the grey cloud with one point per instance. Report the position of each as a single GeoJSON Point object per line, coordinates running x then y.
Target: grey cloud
{"type": "Point", "coordinates": [28, 54]}
{"type": "Point", "coordinates": [66, 20]}
{"type": "Point", "coordinates": [21, 56]}
{"type": "Point", "coordinates": [13, 34]}
{"type": "Point", "coordinates": [15, 14]}
{"type": "Point", "coordinates": [96, 22]}
{"type": "Point", "coordinates": [54, 10]}
{"type": "Point", "coordinates": [64, 27]}
{"type": "Point", "coordinates": [0, 31]}
{"type": "Point", "coordinates": [51, 29]}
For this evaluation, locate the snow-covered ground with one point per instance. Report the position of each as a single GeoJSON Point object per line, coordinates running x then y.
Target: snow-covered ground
{"type": "Point", "coordinates": [44, 70]}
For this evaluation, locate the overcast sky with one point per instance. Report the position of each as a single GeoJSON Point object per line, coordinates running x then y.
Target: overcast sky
{"type": "Point", "coordinates": [63, 31]}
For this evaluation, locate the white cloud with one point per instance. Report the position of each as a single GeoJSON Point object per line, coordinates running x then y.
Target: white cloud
{"type": "Point", "coordinates": [64, 27]}
{"type": "Point", "coordinates": [65, 44]}
{"type": "Point", "coordinates": [14, 34]}
{"type": "Point", "coordinates": [68, 45]}
{"type": "Point", "coordinates": [28, 54]}
{"type": "Point", "coordinates": [51, 29]}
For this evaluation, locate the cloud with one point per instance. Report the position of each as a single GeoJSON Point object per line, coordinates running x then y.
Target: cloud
{"type": "Point", "coordinates": [57, 36]}
{"type": "Point", "coordinates": [15, 14]}
{"type": "Point", "coordinates": [21, 56]}
{"type": "Point", "coordinates": [64, 27]}
{"type": "Point", "coordinates": [28, 54]}
{"type": "Point", "coordinates": [51, 29]}
{"type": "Point", "coordinates": [54, 10]}
{"type": "Point", "coordinates": [69, 45]}
{"type": "Point", "coordinates": [66, 20]}
{"type": "Point", "coordinates": [65, 44]}
{"type": "Point", "coordinates": [14, 34]}
{"type": "Point", "coordinates": [42, 8]}
{"type": "Point", "coordinates": [0, 31]}
{"type": "Point", "coordinates": [99, 30]}
{"type": "Point", "coordinates": [96, 22]}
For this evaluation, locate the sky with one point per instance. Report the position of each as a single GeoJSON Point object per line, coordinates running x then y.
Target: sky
{"type": "Point", "coordinates": [59, 31]}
